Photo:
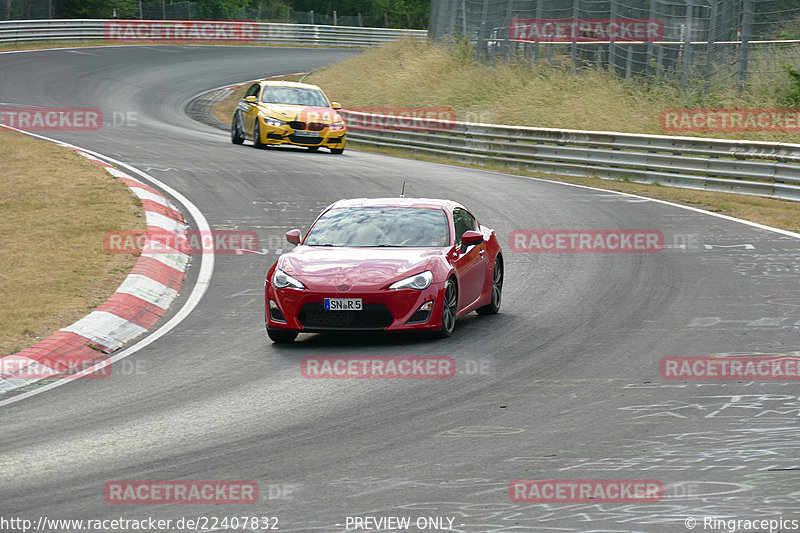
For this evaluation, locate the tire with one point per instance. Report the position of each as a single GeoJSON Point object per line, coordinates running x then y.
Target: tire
{"type": "Point", "coordinates": [497, 290]}
{"type": "Point", "coordinates": [313, 148]}
{"type": "Point", "coordinates": [338, 151]}
{"type": "Point", "coordinates": [280, 336]}
{"type": "Point", "coordinates": [257, 136]}
{"type": "Point", "coordinates": [236, 132]}
{"type": "Point", "coordinates": [449, 309]}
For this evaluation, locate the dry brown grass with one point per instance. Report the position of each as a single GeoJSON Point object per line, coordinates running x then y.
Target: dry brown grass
{"type": "Point", "coordinates": [39, 45]}
{"type": "Point", "coordinates": [56, 207]}
{"type": "Point", "coordinates": [410, 73]}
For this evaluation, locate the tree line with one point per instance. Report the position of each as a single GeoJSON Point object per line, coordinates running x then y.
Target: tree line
{"type": "Point", "coordinates": [392, 13]}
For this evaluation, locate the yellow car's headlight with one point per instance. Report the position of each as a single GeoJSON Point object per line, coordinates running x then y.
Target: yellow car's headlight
{"type": "Point", "coordinates": [269, 121]}
{"type": "Point", "coordinates": [336, 126]}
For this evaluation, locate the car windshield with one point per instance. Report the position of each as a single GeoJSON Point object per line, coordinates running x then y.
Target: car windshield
{"type": "Point", "coordinates": [294, 96]}
{"type": "Point", "coordinates": [380, 226]}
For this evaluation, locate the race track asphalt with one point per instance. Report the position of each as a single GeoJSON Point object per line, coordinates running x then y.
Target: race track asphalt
{"type": "Point", "coordinates": [564, 383]}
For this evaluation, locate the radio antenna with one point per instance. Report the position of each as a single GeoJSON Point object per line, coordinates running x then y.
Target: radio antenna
{"type": "Point", "coordinates": [402, 192]}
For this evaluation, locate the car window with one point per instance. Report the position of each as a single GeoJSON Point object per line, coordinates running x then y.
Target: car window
{"type": "Point", "coordinates": [253, 90]}
{"type": "Point", "coordinates": [380, 226]}
{"type": "Point", "coordinates": [463, 221]}
{"type": "Point", "coordinates": [294, 96]}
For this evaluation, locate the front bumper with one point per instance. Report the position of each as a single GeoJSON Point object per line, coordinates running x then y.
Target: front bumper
{"type": "Point", "coordinates": [384, 310]}
{"type": "Point", "coordinates": [285, 134]}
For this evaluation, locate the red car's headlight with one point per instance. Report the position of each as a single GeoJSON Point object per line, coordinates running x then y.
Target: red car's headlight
{"type": "Point", "coordinates": [281, 280]}
{"type": "Point", "coordinates": [419, 281]}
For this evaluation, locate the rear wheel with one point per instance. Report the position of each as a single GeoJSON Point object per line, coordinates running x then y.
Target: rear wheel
{"type": "Point", "coordinates": [449, 308]}
{"type": "Point", "coordinates": [279, 336]}
{"type": "Point", "coordinates": [497, 290]}
{"type": "Point", "coordinates": [236, 130]}
{"type": "Point", "coordinates": [257, 136]}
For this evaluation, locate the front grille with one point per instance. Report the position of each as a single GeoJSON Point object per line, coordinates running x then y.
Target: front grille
{"type": "Point", "coordinates": [297, 125]}
{"type": "Point", "coordinates": [305, 140]}
{"type": "Point", "coordinates": [373, 316]}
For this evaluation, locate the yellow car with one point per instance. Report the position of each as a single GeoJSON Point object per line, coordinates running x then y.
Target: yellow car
{"type": "Point", "coordinates": [284, 112]}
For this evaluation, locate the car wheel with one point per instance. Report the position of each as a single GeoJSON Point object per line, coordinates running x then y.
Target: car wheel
{"type": "Point", "coordinates": [236, 132]}
{"type": "Point", "coordinates": [337, 151]}
{"type": "Point", "coordinates": [313, 148]}
{"type": "Point", "coordinates": [280, 336]}
{"type": "Point", "coordinates": [449, 308]}
{"type": "Point", "coordinates": [257, 136]}
{"type": "Point", "coordinates": [497, 290]}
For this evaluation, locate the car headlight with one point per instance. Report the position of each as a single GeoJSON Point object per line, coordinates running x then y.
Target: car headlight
{"type": "Point", "coordinates": [336, 126]}
{"type": "Point", "coordinates": [418, 281]}
{"type": "Point", "coordinates": [281, 280]}
{"type": "Point", "coordinates": [269, 121]}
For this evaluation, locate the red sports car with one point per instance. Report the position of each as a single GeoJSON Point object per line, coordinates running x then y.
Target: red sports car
{"type": "Point", "coordinates": [390, 264]}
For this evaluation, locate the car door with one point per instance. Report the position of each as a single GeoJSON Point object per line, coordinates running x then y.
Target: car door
{"type": "Point", "coordinates": [470, 264]}
{"type": "Point", "coordinates": [250, 109]}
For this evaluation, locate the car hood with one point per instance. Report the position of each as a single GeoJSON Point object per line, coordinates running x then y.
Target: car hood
{"type": "Point", "coordinates": [325, 115]}
{"type": "Point", "coordinates": [361, 268]}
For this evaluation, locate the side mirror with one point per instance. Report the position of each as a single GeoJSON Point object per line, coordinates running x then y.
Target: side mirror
{"type": "Point", "coordinates": [470, 238]}
{"type": "Point", "coordinates": [251, 99]}
{"type": "Point", "coordinates": [293, 236]}
{"type": "Point", "coordinates": [336, 105]}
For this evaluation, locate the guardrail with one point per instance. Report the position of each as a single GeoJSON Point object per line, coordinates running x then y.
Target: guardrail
{"type": "Point", "coordinates": [120, 30]}
{"type": "Point", "coordinates": [745, 167]}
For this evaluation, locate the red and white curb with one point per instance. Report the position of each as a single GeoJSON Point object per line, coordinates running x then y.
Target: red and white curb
{"type": "Point", "coordinates": [135, 307]}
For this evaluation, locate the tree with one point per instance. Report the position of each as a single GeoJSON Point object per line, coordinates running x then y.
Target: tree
{"type": "Point", "coordinates": [220, 9]}
{"type": "Point", "coordinates": [80, 9]}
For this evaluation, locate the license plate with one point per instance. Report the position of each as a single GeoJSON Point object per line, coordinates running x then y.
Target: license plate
{"type": "Point", "coordinates": [302, 133]}
{"type": "Point", "coordinates": [343, 304]}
